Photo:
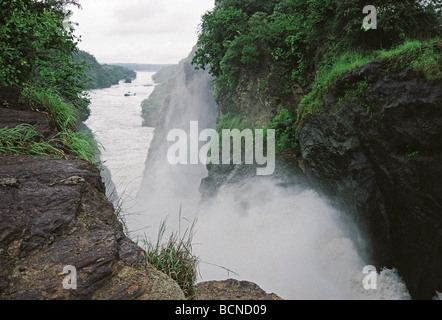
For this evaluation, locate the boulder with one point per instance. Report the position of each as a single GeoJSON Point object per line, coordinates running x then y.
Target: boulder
{"type": "Point", "coordinates": [53, 214]}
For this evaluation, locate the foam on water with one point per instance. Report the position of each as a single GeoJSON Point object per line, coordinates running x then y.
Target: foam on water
{"type": "Point", "coordinates": [289, 241]}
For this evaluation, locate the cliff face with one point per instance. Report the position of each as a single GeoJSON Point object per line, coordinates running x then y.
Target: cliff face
{"type": "Point", "coordinates": [380, 157]}
{"type": "Point", "coordinates": [376, 152]}
{"type": "Point", "coordinates": [54, 213]}
{"type": "Point", "coordinates": [260, 95]}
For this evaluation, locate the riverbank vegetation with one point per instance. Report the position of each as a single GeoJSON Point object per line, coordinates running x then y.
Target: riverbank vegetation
{"type": "Point", "coordinates": [37, 45]}
{"type": "Point", "coordinates": [99, 76]}
{"type": "Point", "coordinates": [310, 44]}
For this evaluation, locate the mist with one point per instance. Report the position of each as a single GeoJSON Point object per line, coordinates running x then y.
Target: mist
{"type": "Point", "coordinates": [287, 239]}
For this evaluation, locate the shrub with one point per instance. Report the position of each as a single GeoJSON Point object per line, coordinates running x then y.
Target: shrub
{"type": "Point", "coordinates": [284, 125]}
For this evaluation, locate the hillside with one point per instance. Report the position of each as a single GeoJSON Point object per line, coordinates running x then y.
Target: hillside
{"type": "Point", "coordinates": [99, 76]}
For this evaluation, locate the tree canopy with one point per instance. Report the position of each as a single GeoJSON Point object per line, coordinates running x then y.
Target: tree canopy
{"type": "Point", "coordinates": [299, 35]}
{"type": "Point", "coordinates": [36, 46]}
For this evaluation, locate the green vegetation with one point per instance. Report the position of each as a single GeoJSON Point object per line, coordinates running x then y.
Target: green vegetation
{"type": "Point", "coordinates": [63, 113]}
{"type": "Point", "coordinates": [312, 44]}
{"type": "Point", "coordinates": [36, 43]}
{"type": "Point", "coordinates": [82, 144]}
{"type": "Point", "coordinates": [24, 139]}
{"type": "Point", "coordinates": [231, 121]}
{"type": "Point", "coordinates": [412, 154]}
{"type": "Point", "coordinates": [284, 125]}
{"type": "Point", "coordinates": [421, 56]}
{"type": "Point", "coordinates": [98, 76]}
{"type": "Point", "coordinates": [36, 56]}
{"type": "Point", "coordinates": [299, 36]}
{"type": "Point", "coordinates": [175, 258]}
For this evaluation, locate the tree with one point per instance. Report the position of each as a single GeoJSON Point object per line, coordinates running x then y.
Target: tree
{"type": "Point", "coordinates": [302, 35]}
{"type": "Point", "coordinates": [36, 46]}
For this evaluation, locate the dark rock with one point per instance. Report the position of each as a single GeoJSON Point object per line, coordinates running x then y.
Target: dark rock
{"type": "Point", "coordinates": [9, 182]}
{"type": "Point", "coordinates": [380, 159]}
{"type": "Point", "coordinates": [10, 97]}
{"type": "Point", "coordinates": [43, 124]}
{"type": "Point", "coordinates": [232, 290]}
{"type": "Point", "coordinates": [45, 227]}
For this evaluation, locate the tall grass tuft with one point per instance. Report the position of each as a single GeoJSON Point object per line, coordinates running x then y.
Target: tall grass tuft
{"type": "Point", "coordinates": [24, 139]}
{"type": "Point", "coordinates": [425, 58]}
{"type": "Point", "coordinates": [175, 257]}
{"type": "Point", "coordinates": [49, 101]}
{"type": "Point", "coordinates": [81, 143]}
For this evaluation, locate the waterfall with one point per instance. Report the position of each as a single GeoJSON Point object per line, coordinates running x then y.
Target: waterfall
{"type": "Point", "coordinates": [287, 239]}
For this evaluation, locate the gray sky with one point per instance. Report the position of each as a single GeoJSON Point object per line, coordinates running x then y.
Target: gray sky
{"type": "Point", "coordinates": [139, 31]}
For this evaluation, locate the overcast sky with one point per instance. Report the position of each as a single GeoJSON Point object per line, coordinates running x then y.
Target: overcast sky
{"type": "Point", "coordinates": [139, 31]}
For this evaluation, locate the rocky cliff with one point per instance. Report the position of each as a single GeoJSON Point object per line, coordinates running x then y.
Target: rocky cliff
{"type": "Point", "coordinates": [378, 154]}
{"type": "Point", "coordinates": [54, 213]}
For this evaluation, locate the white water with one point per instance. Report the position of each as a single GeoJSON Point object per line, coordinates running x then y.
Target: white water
{"type": "Point", "coordinates": [288, 241]}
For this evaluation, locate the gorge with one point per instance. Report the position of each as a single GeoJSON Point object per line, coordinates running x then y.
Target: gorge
{"type": "Point", "coordinates": [350, 210]}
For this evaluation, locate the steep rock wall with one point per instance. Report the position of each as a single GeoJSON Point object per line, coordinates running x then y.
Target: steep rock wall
{"type": "Point", "coordinates": [378, 154]}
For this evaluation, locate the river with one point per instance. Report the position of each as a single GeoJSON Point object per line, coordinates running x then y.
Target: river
{"type": "Point", "coordinates": [117, 124]}
{"type": "Point", "coordinates": [288, 241]}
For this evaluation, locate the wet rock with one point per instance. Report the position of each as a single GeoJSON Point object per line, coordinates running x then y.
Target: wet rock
{"type": "Point", "coordinates": [44, 228]}
{"type": "Point", "coordinates": [378, 156]}
{"type": "Point", "coordinates": [43, 124]}
{"type": "Point", "coordinates": [9, 182]}
{"type": "Point", "coordinates": [232, 290]}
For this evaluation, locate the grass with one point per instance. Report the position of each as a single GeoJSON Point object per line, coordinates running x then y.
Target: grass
{"type": "Point", "coordinates": [81, 143]}
{"type": "Point", "coordinates": [314, 101]}
{"type": "Point", "coordinates": [424, 58]}
{"type": "Point", "coordinates": [24, 139]}
{"type": "Point", "coordinates": [175, 257]}
{"type": "Point", "coordinates": [231, 121]}
{"type": "Point", "coordinates": [284, 125]}
{"type": "Point", "coordinates": [47, 101]}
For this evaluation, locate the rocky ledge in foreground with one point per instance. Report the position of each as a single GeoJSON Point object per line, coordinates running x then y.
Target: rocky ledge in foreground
{"type": "Point", "coordinates": [54, 213]}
